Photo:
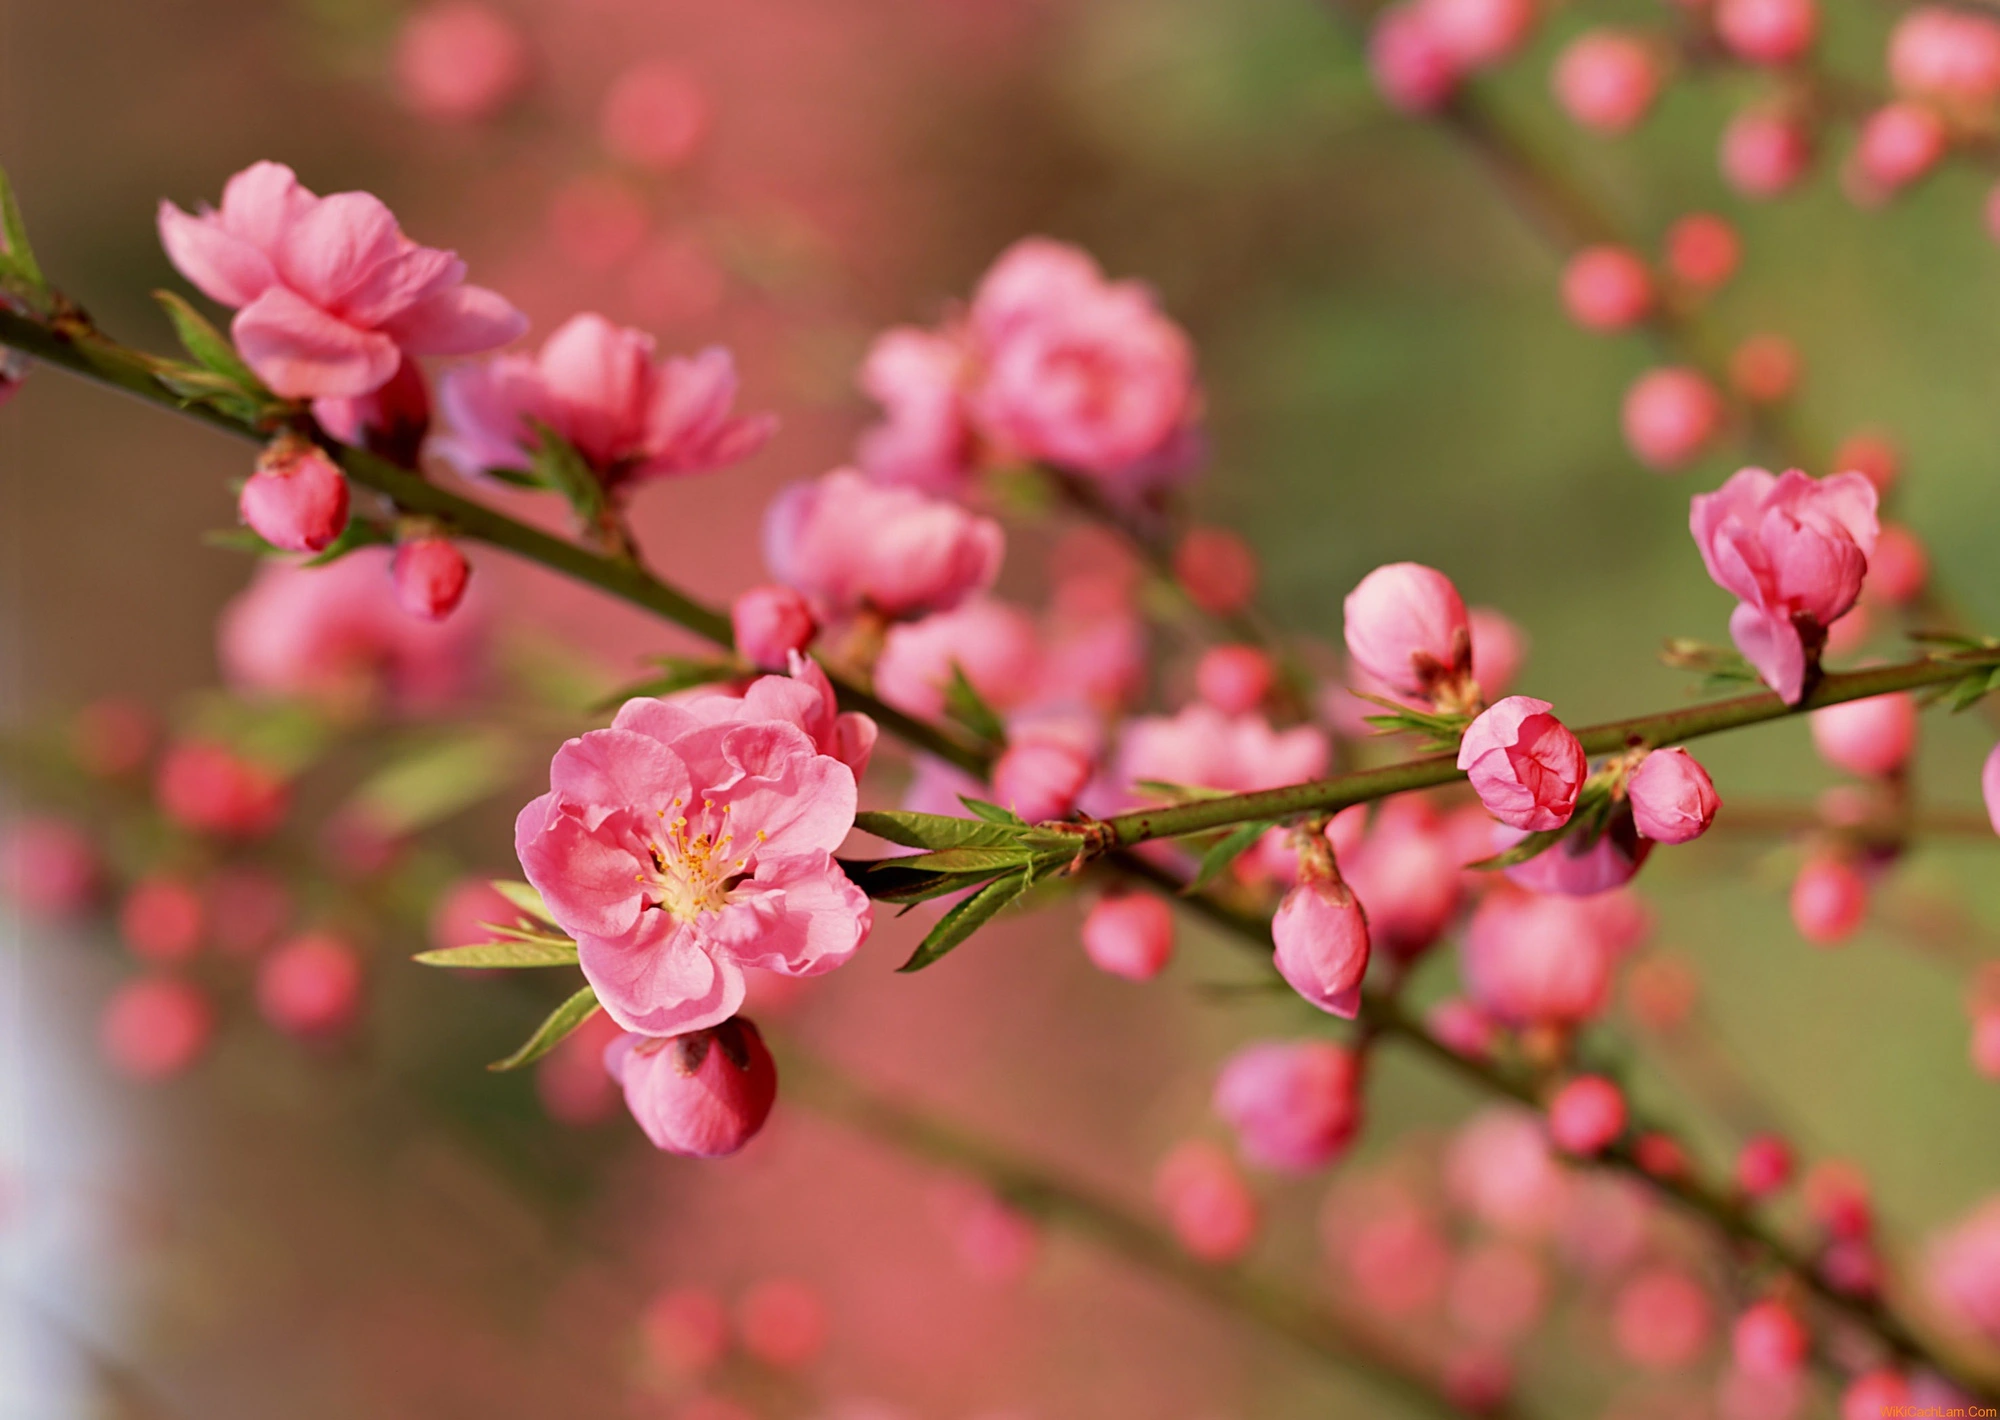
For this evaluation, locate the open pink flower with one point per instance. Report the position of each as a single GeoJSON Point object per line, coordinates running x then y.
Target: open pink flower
{"type": "Point", "coordinates": [1794, 549]}
{"type": "Point", "coordinates": [1530, 959]}
{"type": "Point", "coordinates": [1293, 1104]}
{"type": "Point", "coordinates": [329, 293]}
{"type": "Point", "coordinates": [691, 841]}
{"type": "Point", "coordinates": [631, 416]}
{"type": "Point", "coordinates": [849, 543]}
{"type": "Point", "coordinates": [1524, 764]}
{"type": "Point", "coordinates": [1238, 754]}
{"type": "Point", "coordinates": [1962, 1271]}
{"type": "Point", "coordinates": [992, 643]}
{"type": "Point", "coordinates": [926, 438]}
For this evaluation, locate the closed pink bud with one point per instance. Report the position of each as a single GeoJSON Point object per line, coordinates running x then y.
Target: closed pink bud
{"type": "Point", "coordinates": [783, 1323]}
{"type": "Point", "coordinates": [1576, 867]}
{"type": "Point", "coordinates": [1989, 786]}
{"type": "Point", "coordinates": [1607, 288]}
{"type": "Point", "coordinates": [48, 868]}
{"type": "Point", "coordinates": [1129, 935]}
{"type": "Point", "coordinates": [1670, 416]}
{"type": "Point", "coordinates": [1899, 567]}
{"type": "Point", "coordinates": [1462, 1027]}
{"type": "Point", "coordinates": [155, 1028]}
{"type": "Point", "coordinates": [1040, 779]}
{"type": "Point", "coordinates": [1898, 144]}
{"type": "Point", "coordinates": [1524, 764]}
{"type": "Point", "coordinates": [1586, 1115]}
{"type": "Point", "coordinates": [1210, 1208]}
{"type": "Point", "coordinates": [1867, 737]}
{"type": "Point", "coordinates": [1829, 900]}
{"type": "Point", "coordinates": [430, 574]}
{"type": "Point", "coordinates": [1870, 1397]}
{"type": "Point", "coordinates": [1607, 80]}
{"type": "Point", "coordinates": [297, 498]}
{"type": "Point", "coordinates": [212, 790]}
{"type": "Point", "coordinates": [1986, 1044]}
{"type": "Point", "coordinates": [1839, 1200]}
{"type": "Point", "coordinates": [1412, 60]}
{"type": "Point", "coordinates": [1767, 31]}
{"type": "Point", "coordinates": [1293, 1105]}
{"type": "Point", "coordinates": [1479, 33]}
{"type": "Point", "coordinates": [458, 60]}
{"type": "Point", "coordinates": [1962, 1271]}
{"type": "Point", "coordinates": [1703, 250]}
{"type": "Point", "coordinates": [1768, 1340]}
{"type": "Point", "coordinates": [769, 623]}
{"type": "Point", "coordinates": [162, 920]}
{"type": "Point", "coordinates": [1406, 626]}
{"type": "Point", "coordinates": [310, 986]}
{"type": "Point", "coordinates": [654, 116]}
{"type": "Point", "coordinates": [1764, 369]}
{"type": "Point", "coordinates": [703, 1094]}
{"type": "Point", "coordinates": [1406, 875]}
{"type": "Point", "coordinates": [1531, 960]}
{"type": "Point", "coordinates": [1672, 797]}
{"type": "Point", "coordinates": [1765, 153]}
{"type": "Point", "coordinates": [1763, 1166]}
{"type": "Point", "coordinates": [1217, 570]}
{"type": "Point", "coordinates": [1944, 53]}
{"type": "Point", "coordinates": [1234, 679]}
{"type": "Point", "coordinates": [1322, 940]}
{"type": "Point", "coordinates": [1661, 1319]}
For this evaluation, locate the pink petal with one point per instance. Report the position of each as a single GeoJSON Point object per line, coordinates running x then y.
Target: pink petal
{"type": "Point", "coordinates": [662, 720]}
{"type": "Point", "coordinates": [588, 880]}
{"type": "Point", "coordinates": [222, 267]}
{"type": "Point", "coordinates": [332, 249]}
{"type": "Point", "coordinates": [485, 409]}
{"type": "Point", "coordinates": [597, 375]}
{"type": "Point", "coordinates": [618, 769]}
{"type": "Point", "coordinates": [1771, 644]}
{"type": "Point", "coordinates": [394, 287]}
{"type": "Point", "coordinates": [261, 204]}
{"type": "Point", "coordinates": [667, 986]}
{"type": "Point", "coordinates": [460, 320]}
{"type": "Point", "coordinates": [301, 352]}
{"type": "Point", "coordinates": [808, 917]}
{"type": "Point", "coordinates": [799, 799]}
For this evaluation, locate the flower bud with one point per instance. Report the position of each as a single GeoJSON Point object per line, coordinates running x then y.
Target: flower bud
{"type": "Point", "coordinates": [769, 623]}
{"type": "Point", "coordinates": [1499, 1291]}
{"type": "Point", "coordinates": [1765, 153]}
{"type": "Point", "coordinates": [1524, 764]}
{"type": "Point", "coordinates": [1870, 1397]}
{"type": "Point", "coordinates": [1871, 737]}
{"type": "Point", "coordinates": [1672, 798]}
{"type": "Point", "coordinates": [1986, 1043]}
{"type": "Point", "coordinates": [1660, 1319]}
{"type": "Point", "coordinates": [1586, 1115]}
{"type": "Point", "coordinates": [1768, 1340]}
{"type": "Point", "coordinates": [1607, 288]}
{"type": "Point", "coordinates": [48, 867]}
{"type": "Point", "coordinates": [1293, 1104]}
{"type": "Point", "coordinates": [1234, 679]}
{"type": "Point", "coordinates": [1837, 1196]}
{"type": "Point", "coordinates": [1406, 626]}
{"type": "Point", "coordinates": [1829, 899]}
{"type": "Point", "coordinates": [1129, 935]}
{"type": "Point", "coordinates": [1764, 369]}
{"type": "Point", "coordinates": [1406, 875]}
{"type": "Point", "coordinates": [430, 574]}
{"type": "Point", "coordinates": [1899, 143]}
{"type": "Point", "coordinates": [1606, 80]}
{"type": "Point", "coordinates": [458, 60]}
{"type": "Point", "coordinates": [112, 737]}
{"type": "Point", "coordinates": [1703, 250]}
{"type": "Point", "coordinates": [1207, 1203]}
{"type": "Point", "coordinates": [1534, 960]}
{"type": "Point", "coordinates": [1480, 33]}
{"type": "Point", "coordinates": [704, 1094]}
{"type": "Point", "coordinates": [783, 1323]}
{"type": "Point", "coordinates": [1763, 1166]}
{"type": "Point", "coordinates": [1411, 60]}
{"type": "Point", "coordinates": [1899, 566]}
{"type": "Point", "coordinates": [155, 1027]}
{"type": "Point", "coordinates": [1217, 570]}
{"type": "Point", "coordinates": [1670, 416]}
{"type": "Point", "coordinates": [209, 789]}
{"type": "Point", "coordinates": [1989, 786]}
{"type": "Point", "coordinates": [1040, 779]}
{"type": "Point", "coordinates": [297, 498]}
{"type": "Point", "coordinates": [1767, 31]}
{"type": "Point", "coordinates": [994, 1241]}
{"type": "Point", "coordinates": [311, 986]}
{"type": "Point", "coordinates": [162, 920]}
{"type": "Point", "coordinates": [1322, 944]}
{"type": "Point", "coordinates": [654, 117]}
{"type": "Point", "coordinates": [1962, 1272]}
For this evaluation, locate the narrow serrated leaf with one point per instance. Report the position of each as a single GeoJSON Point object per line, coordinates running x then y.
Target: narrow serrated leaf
{"type": "Point", "coordinates": [964, 703]}
{"type": "Point", "coordinates": [1533, 846]}
{"type": "Point", "coordinates": [992, 813]}
{"type": "Point", "coordinates": [549, 1034]}
{"type": "Point", "coordinates": [914, 830]}
{"type": "Point", "coordinates": [209, 347]}
{"type": "Point", "coordinates": [1223, 852]}
{"type": "Point", "coordinates": [507, 951]}
{"type": "Point", "coordinates": [892, 880]}
{"type": "Point", "coordinates": [20, 254]}
{"type": "Point", "coordinates": [559, 465]}
{"type": "Point", "coordinates": [965, 919]}
{"type": "Point", "coordinates": [972, 860]}
{"type": "Point", "coordinates": [525, 898]}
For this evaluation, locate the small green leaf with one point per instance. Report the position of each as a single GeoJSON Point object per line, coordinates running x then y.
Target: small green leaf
{"type": "Point", "coordinates": [682, 673]}
{"type": "Point", "coordinates": [541, 951]}
{"type": "Point", "coordinates": [1533, 846]}
{"type": "Point", "coordinates": [964, 703]}
{"type": "Point", "coordinates": [971, 860]}
{"type": "Point", "coordinates": [557, 464]}
{"type": "Point", "coordinates": [209, 347]}
{"type": "Point", "coordinates": [238, 540]}
{"type": "Point", "coordinates": [965, 919]}
{"type": "Point", "coordinates": [359, 532]}
{"type": "Point", "coordinates": [992, 813]}
{"type": "Point", "coordinates": [549, 1034]}
{"type": "Point", "coordinates": [1224, 851]}
{"type": "Point", "coordinates": [914, 830]}
{"type": "Point", "coordinates": [893, 880]}
{"type": "Point", "coordinates": [525, 898]}
{"type": "Point", "coordinates": [19, 256]}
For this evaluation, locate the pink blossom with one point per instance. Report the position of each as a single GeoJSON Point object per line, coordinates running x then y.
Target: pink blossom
{"type": "Point", "coordinates": [655, 116]}
{"type": "Point", "coordinates": [1217, 569]}
{"type": "Point", "coordinates": [1962, 1271]}
{"type": "Point", "coordinates": [996, 1242]}
{"type": "Point", "coordinates": [338, 634]}
{"type": "Point", "coordinates": [926, 438]}
{"type": "Point", "coordinates": [1391, 1246]}
{"type": "Point", "coordinates": [1703, 250]}
{"type": "Point", "coordinates": [1234, 679]}
{"type": "Point", "coordinates": [691, 840]}
{"type": "Point", "coordinates": [1899, 567]}
{"type": "Point", "coordinates": [1479, 33]}
{"type": "Point", "coordinates": [390, 422]}
{"type": "Point", "coordinates": [1500, 1171]}
{"type": "Point", "coordinates": [1524, 764]}
{"type": "Point", "coordinates": [249, 907]}
{"type": "Point", "coordinates": [1406, 626]}
{"type": "Point", "coordinates": [1499, 1291]}
{"type": "Point", "coordinates": [458, 60]}
{"type": "Point", "coordinates": [1294, 1105]}
{"type": "Point", "coordinates": [162, 919]}
{"type": "Point", "coordinates": [1768, 1340]}
{"type": "Point", "coordinates": [310, 986]}
{"type": "Point", "coordinates": [1586, 1115]}
{"type": "Point", "coordinates": [1607, 288]}
{"type": "Point", "coordinates": [783, 1323]}
{"type": "Point", "coordinates": [1872, 737]}
{"type": "Point", "coordinates": [1578, 867]}
{"type": "Point", "coordinates": [1235, 753]}
{"type": "Point", "coordinates": [1838, 1198]}
{"type": "Point", "coordinates": [1763, 1166]}
{"type": "Point", "coordinates": [1532, 959]}
{"type": "Point", "coordinates": [1462, 1027]}
{"type": "Point", "coordinates": [852, 544]}
{"type": "Point", "coordinates": [1765, 152]}
{"type": "Point", "coordinates": [685, 1332]}
{"type": "Point", "coordinates": [1673, 800]}
{"type": "Point", "coordinates": [1040, 779]}
{"type": "Point", "coordinates": [1767, 31]}
{"type": "Point", "coordinates": [1898, 144]}
{"type": "Point", "coordinates": [1207, 1203]}
{"type": "Point", "coordinates": [1412, 59]}
{"type": "Point", "coordinates": [48, 867]}
{"type": "Point", "coordinates": [296, 500]}
{"type": "Point", "coordinates": [1669, 417]}
{"type": "Point", "coordinates": [1764, 368]}
{"type": "Point", "coordinates": [1943, 53]}
{"type": "Point", "coordinates": [1661, 1319]}
{"type": "Point", "coordinates": [1406, 874]}
{"type": "Point", "coordinates": [1322, 945]}
{"type": "Point", "coordinates": [598, 385]}
{"type": "Point", "coordinates": [993, 644]}
{"type": "Point", "coordinates": [1129, 935]}
{"type": "Point", "coordinates": [703, 1093]}
{"type": "Point", "coordinates": [1606, 80]}
{"type": "Point", "coordinates": [1794, 549]}
{"type": "Point", "coordinates": [1878, 1393]}
{"type": "Point", "coordinates": [1829, 900]}
{"type": "Point", "coordinates": [155, 1027]}
{"type": "Point", "coordinates": [769, 624]}
{"type": "Point", "coordinates": [430, 575]}
{"type": "Point", "coordinates": [211, 789]}
{"type": "Point", "coordinates": [111, 737]}
{"type": "Point", "coordinates": [1077, 371]}
{"type": "Point", "coordinates": [330, 294]}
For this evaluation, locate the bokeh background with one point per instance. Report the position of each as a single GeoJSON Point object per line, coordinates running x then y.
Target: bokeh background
{"type": "Point", "coordinates": [390, 1231]}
